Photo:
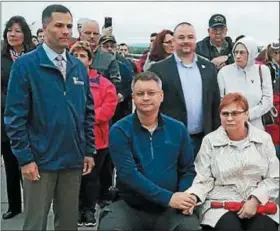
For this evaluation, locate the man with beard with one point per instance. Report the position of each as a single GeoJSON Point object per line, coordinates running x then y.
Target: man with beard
{"type": "Point", "coordinates": [191, 92]}
{"type": "Point", "coordinates": [217, 47]}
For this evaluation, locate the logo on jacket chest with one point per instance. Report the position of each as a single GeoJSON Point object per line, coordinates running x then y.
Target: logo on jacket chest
{"type": "Point", "coordinates": [77, 81]}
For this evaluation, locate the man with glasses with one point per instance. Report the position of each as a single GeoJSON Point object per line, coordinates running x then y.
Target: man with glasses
{"type": "Point", "coordinates": [217, 47]}
{"type": "Point", "coordinates": [103, 62]}
{"type": "Point", "coordinates": [153, 156]}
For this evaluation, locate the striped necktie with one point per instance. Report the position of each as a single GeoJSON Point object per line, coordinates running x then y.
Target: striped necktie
{"type": "Point", "coordinates": [59, 63]}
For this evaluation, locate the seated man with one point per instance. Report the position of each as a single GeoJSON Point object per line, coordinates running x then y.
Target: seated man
{"type": "Point", "coordinates": [154, 159]}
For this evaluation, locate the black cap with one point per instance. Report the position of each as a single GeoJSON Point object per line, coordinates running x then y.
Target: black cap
{"type": "Point", "coordinates": [106, 38]}
{"type": "Point", "coordinates": [217, 20]}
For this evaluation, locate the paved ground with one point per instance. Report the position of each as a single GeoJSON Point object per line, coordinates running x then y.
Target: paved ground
{"type": "Point", "coordinates": [16, 222]}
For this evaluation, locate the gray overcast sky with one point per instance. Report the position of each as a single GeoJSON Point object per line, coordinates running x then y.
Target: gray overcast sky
{"type": "Point", "coordinates": [134, 21]}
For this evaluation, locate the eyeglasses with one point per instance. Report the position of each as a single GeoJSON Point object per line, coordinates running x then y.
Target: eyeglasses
{"type": "Point", "coordinates": [233, 114]}
{"type": "Point", "coordinates": [141, 94]}
{"type": "Point", "coordinates": [107, 46]}
{"type": "Point", "coordinates": [242, 52]}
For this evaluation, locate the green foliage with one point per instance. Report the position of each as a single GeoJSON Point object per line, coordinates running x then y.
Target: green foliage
{"type": "Point", "coordinates": [137, 49]}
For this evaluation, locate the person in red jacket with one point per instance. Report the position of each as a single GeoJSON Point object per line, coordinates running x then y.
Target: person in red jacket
{"type": "Point", "coordinates": [274, 129]}
{"type": "Point", "coordinates": [105, 103]}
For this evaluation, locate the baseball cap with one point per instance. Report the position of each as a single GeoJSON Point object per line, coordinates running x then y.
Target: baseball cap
{"type": "Point", "coordinates": [106, 38]}
{"type": "Point", "coordinates": [217, 20]}
{"type": "Point", "coordinates": [275, 45]}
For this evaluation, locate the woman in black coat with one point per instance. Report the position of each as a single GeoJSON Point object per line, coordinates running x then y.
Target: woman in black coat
{"type": "Point", "coordinates": [17, 41]}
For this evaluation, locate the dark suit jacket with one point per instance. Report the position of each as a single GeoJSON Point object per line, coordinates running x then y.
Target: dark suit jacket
{"type": "Point", "coordinates": [174, 102]}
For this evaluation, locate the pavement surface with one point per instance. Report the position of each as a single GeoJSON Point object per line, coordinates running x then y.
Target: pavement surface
{"type": "Point", "coordinates": [16, 222]}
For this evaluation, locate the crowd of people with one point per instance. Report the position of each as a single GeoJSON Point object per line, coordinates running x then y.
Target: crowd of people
{"type": "Point", "coordinates": [154, 142]}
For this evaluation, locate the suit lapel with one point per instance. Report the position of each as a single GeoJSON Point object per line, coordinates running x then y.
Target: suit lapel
{"type": "Point", "coordinates": [203, 72]}
{"type": "Point", "coordinates": [175, 78]}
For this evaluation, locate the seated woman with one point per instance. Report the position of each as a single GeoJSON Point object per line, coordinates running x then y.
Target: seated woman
{"type": "Point", "coordinates": [237, 162]}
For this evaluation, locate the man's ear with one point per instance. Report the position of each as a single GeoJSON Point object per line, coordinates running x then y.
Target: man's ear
{"type": "Point", "coordinates": [44, 26]}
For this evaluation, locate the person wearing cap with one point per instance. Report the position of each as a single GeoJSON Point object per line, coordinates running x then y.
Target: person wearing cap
{"type": "Point", "coordinates": [108, 44]}
{"type": "Point", "coordinates": [217, 47]}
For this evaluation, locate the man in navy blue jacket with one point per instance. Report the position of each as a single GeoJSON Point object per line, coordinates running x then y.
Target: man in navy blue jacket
{"type": "Point", "coordinates": [49, 117]}
{"type": "Point", "coordinates": [153, 156]}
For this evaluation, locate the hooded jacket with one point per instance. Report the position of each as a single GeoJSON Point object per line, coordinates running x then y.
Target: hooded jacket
{"type": "Point", "coordinates": [105, 103]}
{"type": "Point", "coordinates": [247, 81]}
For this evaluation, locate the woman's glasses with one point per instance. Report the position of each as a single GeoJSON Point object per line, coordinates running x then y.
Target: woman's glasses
{"type": "Point", "coordinates": [233, 114]}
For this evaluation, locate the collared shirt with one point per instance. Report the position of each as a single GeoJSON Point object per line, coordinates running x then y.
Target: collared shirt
{"type": "Point", "coordinates": [192, 88]}
{"type": "Point", "coordinates": [52, 55]}
{"type": "Point", "coordinates": [218, 51]}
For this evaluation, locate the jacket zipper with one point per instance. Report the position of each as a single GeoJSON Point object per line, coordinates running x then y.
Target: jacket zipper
{"type": "Point", "coordinates": [151, 144]}
{"type": "Point", "coordinates": [64, 79]}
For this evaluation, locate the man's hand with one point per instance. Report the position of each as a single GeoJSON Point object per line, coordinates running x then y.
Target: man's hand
{"type": "Point", "coordinates": [107, 31]}
{"type": "Point", "coordinates": [220, 61]}
{"type": "Point", "coordinates": [88, 165]}
{"type": "Point", "coordinates": [30, 172]}
{"type": "Point", "coordinates": [182, 200]}
{"type": "Point", "coordinates": [249, 209]}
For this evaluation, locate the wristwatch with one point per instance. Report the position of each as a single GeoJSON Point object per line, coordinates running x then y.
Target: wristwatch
{"type": "Point", "coordinates": [226, 57]}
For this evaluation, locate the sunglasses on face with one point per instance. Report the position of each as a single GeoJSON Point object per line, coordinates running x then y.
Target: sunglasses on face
{"type": "Point", "coordinates": [233, 114]}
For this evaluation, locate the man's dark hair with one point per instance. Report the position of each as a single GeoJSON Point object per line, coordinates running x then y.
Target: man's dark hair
{"type": "Point", "coordinates": [123, 44]}
{"type": "Point", "coordinates": [153, 34]}
{"type": "Point", "coordinates": [146, 76]}
{"type": "Point", "coordinates": [181, 24]}
{"type": "Point", "coordinates": [40, 30]}
{"type": "Point", "coordinates": [27, 42]}
{"type": "Point", "coordinates": [55, 8]}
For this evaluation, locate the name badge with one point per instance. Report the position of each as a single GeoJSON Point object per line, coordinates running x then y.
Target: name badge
{"type": "Point", "coordinates": [77, 81]}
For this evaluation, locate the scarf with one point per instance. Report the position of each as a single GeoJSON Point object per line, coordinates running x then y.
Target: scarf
{"type": "Point", "coordinates": [15, 55]}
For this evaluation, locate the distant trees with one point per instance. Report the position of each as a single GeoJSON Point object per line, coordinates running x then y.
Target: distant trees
{"type": "Point", "coordinates": [137, 50]}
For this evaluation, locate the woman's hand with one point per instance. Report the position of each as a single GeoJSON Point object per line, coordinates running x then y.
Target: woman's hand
{"type": "Point", "coordinates": [249, 209]}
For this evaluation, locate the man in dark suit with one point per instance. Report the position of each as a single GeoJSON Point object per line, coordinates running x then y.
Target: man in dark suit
{"type": "Point", "coordinates": [191, 92]}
